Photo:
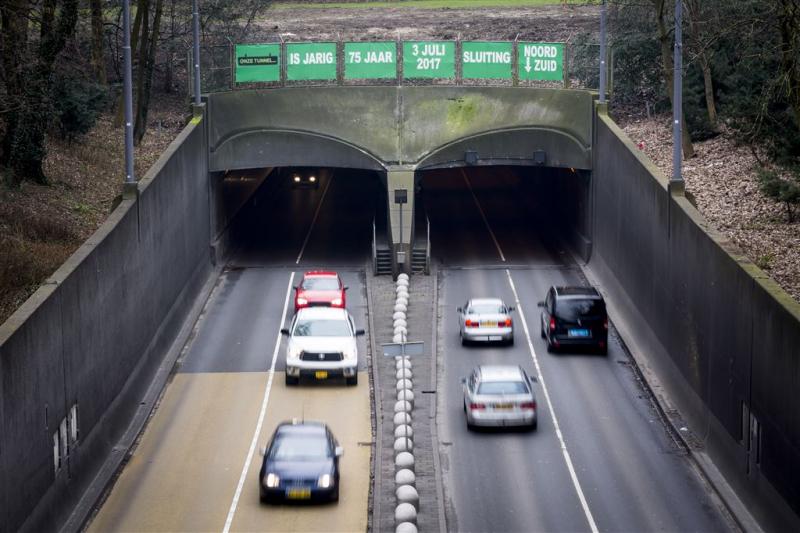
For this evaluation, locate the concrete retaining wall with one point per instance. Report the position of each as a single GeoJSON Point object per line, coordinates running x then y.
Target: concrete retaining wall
{"type": "Point", "coordinates": [730, 338]}
{"type": "Point", "coordinates": [94, 334]}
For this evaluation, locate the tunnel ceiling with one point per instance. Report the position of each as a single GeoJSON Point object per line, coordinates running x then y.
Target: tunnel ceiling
{"type": "Point", "coordinates": [420, 127]}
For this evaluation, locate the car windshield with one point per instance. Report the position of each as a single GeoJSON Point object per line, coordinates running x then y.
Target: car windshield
{"type": "Point", "coordinates": [485, 309]}
{"type": "Point", "coordinates": [294, 448]}
{"type": "Point", "coordinates": [502, 387]}
{"type": "Point", "coordinates": [575, 309]}
{"type": "Point", "coordinates": [320, 284]}
{"type": "Point", "coordinates": [322, 328]}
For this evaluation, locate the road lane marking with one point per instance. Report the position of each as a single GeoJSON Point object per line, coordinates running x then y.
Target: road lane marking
{"type": "Point", "coordinates": [262, 414]}
{"type": "Point", "coordinates": [314, 220]}
{"type": "Point", "coordinates": [483, 216]}
{"type": "Point", "coordinates": [567, 458]}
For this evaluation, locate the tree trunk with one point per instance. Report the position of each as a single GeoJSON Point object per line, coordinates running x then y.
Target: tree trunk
{"type": "Point", "coordinates": [14, 36]}
{"type": "Point", "coordinates": [146, 75]}
{"type": "Point", "coordinates": [98, 57]}
{"type": "Point", "coordinates": [26, 136]}
{"type": "Point", "coordinates": [142, 52]}
{"type": "Point", "coordinates": [789, 23]}
{"type": "Point", "coordinates": [169, 68]}
{"type": "Point", "coordinates": [694, 13]}
{"type": "Point", "coordinates": [666, 58]}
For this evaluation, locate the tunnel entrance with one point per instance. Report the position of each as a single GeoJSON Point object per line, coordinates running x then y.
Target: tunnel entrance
{"type": "Point", "coordinates": [504, 214]}
{"type": "Point", "coordinates": [305, 216]}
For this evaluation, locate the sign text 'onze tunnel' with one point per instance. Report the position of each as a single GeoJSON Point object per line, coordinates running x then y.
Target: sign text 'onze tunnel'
{"type": "Point", "coordinates": [391, 60]}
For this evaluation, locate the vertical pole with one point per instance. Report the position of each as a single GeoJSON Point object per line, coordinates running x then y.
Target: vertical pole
{"type": "Point", "coordinates": [127, 90]}
{"type": "Point", "coordinates": [401, 227]}
{"type": "Point", "coordinates": [196, 42]}
{"type": "Point", "coordinates": [603, 52]}
{"type": "Point", "coordinates": [677, 97]}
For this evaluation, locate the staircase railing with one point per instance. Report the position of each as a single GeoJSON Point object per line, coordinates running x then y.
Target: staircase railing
{"type": "Point", "coordinates": [374, 249]}
{"type": "Point", "coordinates": [428, 245]}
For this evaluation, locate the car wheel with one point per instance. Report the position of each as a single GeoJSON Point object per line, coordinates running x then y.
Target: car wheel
{"type": "Point", "coordinates": [534, 425]}
{"type": "Point", "coordinates": [541, 329]}
{"type": "Point", "coordinates": [291, 380]}
{"type": "Point", "coordinates": [470, 427]}
{"type": "Point", "coordinates": [353, 380]}
{"type": "Point", "coordinates": [510, 342]}
{"type": "Point", "coordinates": [550, 347]}
{"type": "Point", "coordinates": [335, 496]}
{"type": "Point", "coordinates": [603, 350]}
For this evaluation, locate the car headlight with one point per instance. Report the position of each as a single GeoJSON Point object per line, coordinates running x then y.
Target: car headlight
{"type": "Point", "coordinates": [297, 179]}
{"type": "Point", "coordinates": [312, 179]}
{"type": "Point", "coordinates": [336, 302]}
{"type": "Point", "coordinates": [293, 352]}
{"type": "Point", "coordinates": [324, 481]}
{"type": "Point", "coordinates": [272, 480]}
{"type": "Point", "coordinates": [302, 301]}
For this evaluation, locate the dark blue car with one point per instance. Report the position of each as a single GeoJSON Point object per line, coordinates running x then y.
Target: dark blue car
{"type": "Point", "coordinates": [300, 464]}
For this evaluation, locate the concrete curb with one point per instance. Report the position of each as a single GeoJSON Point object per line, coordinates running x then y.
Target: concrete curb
{"type": "Point", "coordinates": [373, 516]}
{"type": "Point", "coordinates": [434, 402]}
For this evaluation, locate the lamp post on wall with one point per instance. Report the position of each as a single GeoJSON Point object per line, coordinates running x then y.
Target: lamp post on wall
{"type": "Point", "coordinates": [196, 50]}
{"type": "Point", "coordinates": [603, 52]}
{"type": "Point", "coordinates": [677, 98]}
{"type": "Point", "coordinates": [127, 91]}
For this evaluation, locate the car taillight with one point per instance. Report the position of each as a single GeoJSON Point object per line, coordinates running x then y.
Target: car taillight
{"type": "Point", "coordinates": [605, 323]}
{"type": "Point", "coordinates": [336, 302]}
{"type": "Point", "coordinates": [527, 405]}
{"type": "Point", "coordinates": [477, 406]}
{"type": "Point", "coordinates": [506, 324]}
{"type": "Point", "coordinates": [472, 323]}
{"type": "Point", "coordinates": [552, 323]}
{"type": "Point", "coordinates": [302, 301]}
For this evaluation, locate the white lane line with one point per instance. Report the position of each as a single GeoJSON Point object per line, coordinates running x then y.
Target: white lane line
{"type": "Point", "coordinates": [483, 216]}
{"type": "Point", "coordinates": [567, 459]}
{"type": "Point", "coordinates": [254, 442]}
{"type": "Point", "coordinates": [314, 220]}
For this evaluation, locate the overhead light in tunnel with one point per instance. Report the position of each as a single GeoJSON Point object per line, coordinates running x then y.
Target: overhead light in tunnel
{"type": "Point", "coordinates": [539, 157]}
{"type": "Point", "coordinates": [471, 157]}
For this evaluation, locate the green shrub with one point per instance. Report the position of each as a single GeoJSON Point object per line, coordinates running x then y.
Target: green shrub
{"type": "Point", "coordinates": [785, 190]}
{"type": "Point", "coordinates": [77, 104]}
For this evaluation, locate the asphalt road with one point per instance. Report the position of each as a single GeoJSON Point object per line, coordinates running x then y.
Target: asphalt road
{"type": "Point", "coordinates": [195, 467]}
{"type": "Point", "coordinates": [601, 459]}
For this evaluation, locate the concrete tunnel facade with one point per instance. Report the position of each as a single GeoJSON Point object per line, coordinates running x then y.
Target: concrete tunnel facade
{"type": "Point", "coordinates": [398, 131]}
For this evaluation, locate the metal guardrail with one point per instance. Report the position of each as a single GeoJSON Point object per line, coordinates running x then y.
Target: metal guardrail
{"type": "Point", "coordinates": [428, 246]}
{"type": "Point", "coordinates": [374, 249]}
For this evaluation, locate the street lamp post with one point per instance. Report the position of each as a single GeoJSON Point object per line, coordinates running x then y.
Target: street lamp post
{"type": "Point", "coordinates": [677, 98]}
{"type": "Point", "coordinates": [603, 52]}
{"type": "Point", "coordinates": [127, 91]}
{"type": "Point", "coordinates": [196, 50]}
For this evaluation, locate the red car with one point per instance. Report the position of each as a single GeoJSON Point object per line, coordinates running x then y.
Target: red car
{"type": "Point", "coordinates": [320, 288]}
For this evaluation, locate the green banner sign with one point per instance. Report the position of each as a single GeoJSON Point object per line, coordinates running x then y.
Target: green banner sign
{"type": "Point", "coordinates": [370, 60]}
{"type": "Point", "coordinates": [311, 61]}
{"type": "Point", "coordinates": [541, 61]}
{"type": "Point", "coordinates": [258, 62]}
{"type": "Point", "coordinates": [484, 60]}
{"type": "Point", "coordinates": [429, 59]}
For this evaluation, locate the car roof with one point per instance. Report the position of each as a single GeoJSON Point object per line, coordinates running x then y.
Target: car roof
{"type": "Point", "coordinates": [327, 313]}
{"type": "Point", "coordinates": [320, 274]}
{"type": "Point", "coordinates": [295, 427]}
{"type": "Point", "coordinates": [578, 292]}
{"type": "Point", "coordinates": [486, 301]}
{"type": "Point", "coordinates": [500, 372]}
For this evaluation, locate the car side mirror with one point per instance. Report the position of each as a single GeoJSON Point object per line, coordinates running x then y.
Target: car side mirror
{"type": "Point", "coordinates": [534, 379]}
{"type": "Point", "coordinates": [359, 332]}
{"type": "Point", "coordinates": [346, 287]}
{"type": "Point", "coordinates": [463, 381]}
{"type": "Point", "coordinates": [262, 451]}
{"type": "Point", "coordinates": [460, 310]}
{"type": "Point", "coordinates": [296, 287]}
{"type": "Point", "coordinates": [540, 304]}
{"type": "Point", "coordinates": [512, 308]}
{"type": "Point", "coordinates": [284, 331]}
{"type": "Point", "coordinates": [339, 451]}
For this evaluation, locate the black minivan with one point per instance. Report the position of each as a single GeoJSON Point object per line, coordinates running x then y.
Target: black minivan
{"type": "Point", "coordinates": [574, 316]}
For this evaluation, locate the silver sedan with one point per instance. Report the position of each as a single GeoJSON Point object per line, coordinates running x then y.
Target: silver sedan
{"type": "Point", "coordinates": [500, 395]}
{"type": "Point", "coordinates": [485, 319]}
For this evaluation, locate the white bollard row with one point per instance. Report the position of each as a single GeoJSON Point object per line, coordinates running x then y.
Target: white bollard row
{"type": "Point", "coordinates": [405, 514]}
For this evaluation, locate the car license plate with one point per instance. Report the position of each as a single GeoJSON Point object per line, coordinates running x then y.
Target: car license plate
{"type": "Point", "coordinates": [321, 374]}
{"type": "Point", "coordinates": [489, 324]}
{"type": "Point", "coordinates": [298, 493]}
{"type": "Point", "coordinates": [578, 332]}
{"type": "Point", "coordinates": [495, 338]}
{"type": "Point", "coordinates": [502, 406]}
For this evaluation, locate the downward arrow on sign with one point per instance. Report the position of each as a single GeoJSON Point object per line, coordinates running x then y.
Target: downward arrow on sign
{"type": "Point", "coordinates": [527, 64]}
